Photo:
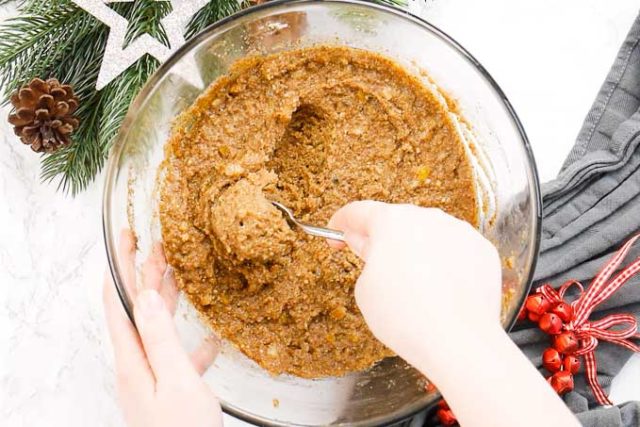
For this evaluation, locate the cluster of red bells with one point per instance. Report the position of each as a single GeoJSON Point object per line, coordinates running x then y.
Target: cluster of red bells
{"type": "Point", "coordinates": [559, 359]}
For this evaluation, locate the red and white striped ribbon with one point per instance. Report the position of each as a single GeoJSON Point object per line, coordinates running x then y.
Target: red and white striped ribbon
{"type": "Point", "coordinates": [590, 332]}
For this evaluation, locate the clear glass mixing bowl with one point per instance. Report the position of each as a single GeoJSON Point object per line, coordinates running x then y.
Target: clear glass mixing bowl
{"type": "Point", "coordinates": [505, 171]}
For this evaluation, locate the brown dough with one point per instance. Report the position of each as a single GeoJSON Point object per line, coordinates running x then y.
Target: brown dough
{"type": "Point", "coordinates": [314, 129]}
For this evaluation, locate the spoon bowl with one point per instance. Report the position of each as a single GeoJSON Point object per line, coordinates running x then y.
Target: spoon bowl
{"type": "Point", "coordinates": [310, 229]}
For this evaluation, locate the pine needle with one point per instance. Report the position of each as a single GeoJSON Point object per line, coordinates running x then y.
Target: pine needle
{"type": "Point", "coordinates": [401, 3]}
{"type": "Point", "coordinates": [212, 12]}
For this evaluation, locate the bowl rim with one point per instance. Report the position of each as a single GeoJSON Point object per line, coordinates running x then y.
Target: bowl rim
{"type": "Point", "coordinates": [149, 86]}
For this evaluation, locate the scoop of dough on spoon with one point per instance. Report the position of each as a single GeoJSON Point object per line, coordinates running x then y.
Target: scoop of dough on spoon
{"type": "Point", "coordinates": [313, 230]}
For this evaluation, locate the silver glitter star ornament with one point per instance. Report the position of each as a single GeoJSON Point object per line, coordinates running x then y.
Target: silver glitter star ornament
{"type": "Point", "coordinates": [117, 58]}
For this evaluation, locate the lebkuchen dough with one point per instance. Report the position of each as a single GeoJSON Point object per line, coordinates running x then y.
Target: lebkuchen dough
{"type": "Point", "coordinates": [314, 129]}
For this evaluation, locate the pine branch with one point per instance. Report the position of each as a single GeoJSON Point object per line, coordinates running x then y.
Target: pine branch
{"type": "Point", "coordinates": [76, 166]}
{"type": "Point", "coordinates": [144, 16]}
{"type": "Point", "coordinates": [212, 12]}
{"type": "Point", "coordinates": [119, 95]}
{"type": "Point", "coordinates": [31, 44]}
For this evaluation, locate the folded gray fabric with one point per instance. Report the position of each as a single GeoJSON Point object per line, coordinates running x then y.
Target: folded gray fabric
{"type": "Point", "coordinates": [589, 211]}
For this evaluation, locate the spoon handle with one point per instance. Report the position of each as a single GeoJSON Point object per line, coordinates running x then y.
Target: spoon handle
{"type": "Point", "coordinates": [327, 233]}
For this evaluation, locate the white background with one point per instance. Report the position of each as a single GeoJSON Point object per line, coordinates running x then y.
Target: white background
{"type": "Point", "coordinates": [550, 58]}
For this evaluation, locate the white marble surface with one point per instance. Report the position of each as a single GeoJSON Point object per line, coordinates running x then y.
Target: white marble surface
{"type": "Point", "coordinates": [55, 362]}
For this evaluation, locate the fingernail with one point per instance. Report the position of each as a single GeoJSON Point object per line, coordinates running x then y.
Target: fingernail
{"type": "Point", "coordinates": [169, 274]}
{"type": "Point", "coordinates": [150, 302]}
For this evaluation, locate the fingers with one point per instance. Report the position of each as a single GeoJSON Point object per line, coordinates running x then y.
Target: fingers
{"type": "Point", "coordinates": [169, 290]}
{"type": "Point", "coordinates": [127, 260]}
{"type": "Point", "coordinates": [356, 221]}
{"type": "Point", "coordinates": [156, 276]}
{"type": "Point", "coordinates": [157, 350]}
{"type": "Point", "coordinates": [131, 364]}
{"type": "Point", "coordinates": [154, 268]}
{"type": "Point", "coordinates": [356, 217]}
{"type": "Point", "coordinates": [205, 354]}
{"type": "Point", "coordinates": [168, 360]}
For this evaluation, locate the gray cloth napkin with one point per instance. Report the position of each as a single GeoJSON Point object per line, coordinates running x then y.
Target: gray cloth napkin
{"type": "Point", "coordinates": [589, 211]}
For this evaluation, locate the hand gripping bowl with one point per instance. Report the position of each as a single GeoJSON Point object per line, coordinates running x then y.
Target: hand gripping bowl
{"type": "Point", "coordinates": [497, 146]}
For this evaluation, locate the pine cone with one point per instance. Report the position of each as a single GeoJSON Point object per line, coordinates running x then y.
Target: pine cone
{"type": "Point", "coordinates": [43, 116]}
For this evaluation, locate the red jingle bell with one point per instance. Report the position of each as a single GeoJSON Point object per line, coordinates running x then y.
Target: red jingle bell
{"type": "Point", "coordinates": [537, 304]}
{"type": "Point", "coordinates": [566, 342]}
{"type": "Point", "coordinates": [571, 364]}
{"type": "Point", "coordinates": [562, 382]}
{"type": "Point", "coordinates": [550, 323]}
{"type": "Point", "coordinates": [442, 404]}
{"type": "Point", "coordinates": [522, 314]}
{"type": "Point", "coordinates": [564, 311]}
{"type": "Point", "coordinates": [446, 417]}
{"type": "Point", "coordinates": [533, 317]}
{"type": "Point", "coordinates": [551, 360]}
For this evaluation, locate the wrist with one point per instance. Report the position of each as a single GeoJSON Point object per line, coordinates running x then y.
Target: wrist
{"type": "Point", "coordinates": [486, 375]}
{"type": "Point", "coordinates": [460, 352]}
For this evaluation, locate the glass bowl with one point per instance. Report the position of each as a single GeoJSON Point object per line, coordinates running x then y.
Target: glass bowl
{"type": "Point", "coordinates": [497, 145]}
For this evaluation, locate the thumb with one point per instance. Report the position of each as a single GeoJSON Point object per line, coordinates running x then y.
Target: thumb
{"type": "Point", "coordinates": [357, 221]}
{"type": "Point", "coordinates": [168, 360]}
